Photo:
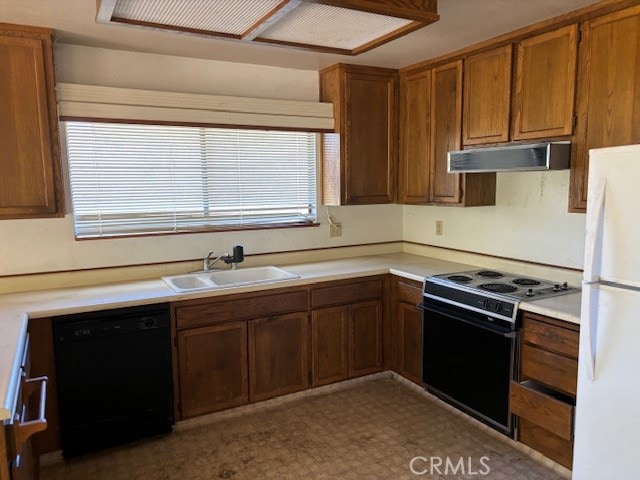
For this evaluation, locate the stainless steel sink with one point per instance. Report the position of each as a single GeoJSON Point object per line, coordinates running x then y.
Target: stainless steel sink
{"type": "Point", "coordinates": [227, 278]}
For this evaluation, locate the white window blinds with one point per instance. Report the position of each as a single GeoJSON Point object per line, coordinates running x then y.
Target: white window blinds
{"type": "Point", "coordinates": [141, 179]}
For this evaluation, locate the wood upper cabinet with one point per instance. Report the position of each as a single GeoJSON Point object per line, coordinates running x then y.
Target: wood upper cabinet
{"type": "Point", "coordinates": [415, 137]}
{"type": "Point", "coordinates": [608, 92]}
{"type": "Point", "coordinates": [30, 184]}
{"type": "Point", "coordinates": [213, 368]}
{"type": "Point", "coordinates": [544, 88]}
{"type": "Point", "coordinates": [431, 125]}
{"type": "Point", "coordinates": [278, 355]}
{"type": "Point", "coordinates": [446, 124]}
{"type": "Point", "coordinates": [487, 97]}
{"type": "Point", "coordinates": [359, 160]}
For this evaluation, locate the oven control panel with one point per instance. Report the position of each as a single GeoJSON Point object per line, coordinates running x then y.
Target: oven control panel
{"type": "Point", "coordinates": [478, 302]}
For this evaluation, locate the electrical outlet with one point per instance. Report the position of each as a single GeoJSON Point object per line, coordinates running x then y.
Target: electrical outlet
{"type": "Point", "coordinates": [335, 229]}
{"type": "Point", "coordinates": [439, 227]}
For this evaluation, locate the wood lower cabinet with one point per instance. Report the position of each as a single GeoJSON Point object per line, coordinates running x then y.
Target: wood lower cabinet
{"type": "Point", "coordinates": [544, 90]}
{"type": "Point", "coordinates": [366, 338]}
{"type": "Point", "coordinates": [359, 160]}
{"type": "Point", "coordinates": [213, 368]}
{"type": "Point", "coordinates": [346, 342]}
{"type": "Point", "coordinates": [544, 399]}
{"type": "Point", "coordinates": [410, 342]}
{"type": "Point", "coordinates": [278, 355]}
{"type": "Point", "coordinates": [406, 330]}
{"type": "Point", "coordinates": [487, 97]}
{"type": "Point", "coordinates": [608, 93]}
{"type": "Point", "coordinates": [30, 184]}
{"type": "Point", "coordinates": [346, 330]}
{"type": "Point", "coordinates": [329, 345]}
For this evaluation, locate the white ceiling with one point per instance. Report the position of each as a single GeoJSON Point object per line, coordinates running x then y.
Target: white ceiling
{"type": "Point", "coordinates": [462, 23]}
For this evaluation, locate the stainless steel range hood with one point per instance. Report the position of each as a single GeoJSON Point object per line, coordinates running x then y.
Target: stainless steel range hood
{"type": "Point", "coordinates": [514, 158]}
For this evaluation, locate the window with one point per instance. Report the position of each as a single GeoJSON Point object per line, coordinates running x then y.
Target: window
{"type": "Point", "coordinates": [144, 179]}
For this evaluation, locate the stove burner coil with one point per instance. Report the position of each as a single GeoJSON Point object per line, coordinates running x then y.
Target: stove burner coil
{"type": "Point", "coordinates": [526, 281]}
{"type": "Point", "coordinates": [498, 287]}
{"type": "Point", "coordinates": [489, 274]}
{"type": "Point", "coordinates": [460, 278]}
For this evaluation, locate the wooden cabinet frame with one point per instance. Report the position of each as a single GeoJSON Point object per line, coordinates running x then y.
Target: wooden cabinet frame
{"type": "Point", "coordinates": [37, 191]}
{"type": "Point", "coordinates": [487, 97]}
{"type": "Point", "coordinates": [531, 92]}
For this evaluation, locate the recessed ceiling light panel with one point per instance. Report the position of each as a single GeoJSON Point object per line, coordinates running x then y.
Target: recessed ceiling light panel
{"type": "Point", "coordinates": [335, 27]}
{"type": "Point", "coordinates": [222, 16]}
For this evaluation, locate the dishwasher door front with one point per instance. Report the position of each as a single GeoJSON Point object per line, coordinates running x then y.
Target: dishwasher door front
{"type": "Point", "coordinates": [114, 377]}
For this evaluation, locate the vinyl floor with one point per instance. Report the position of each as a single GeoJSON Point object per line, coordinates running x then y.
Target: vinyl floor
{"type": "Point", "coordinates": [367, 430]}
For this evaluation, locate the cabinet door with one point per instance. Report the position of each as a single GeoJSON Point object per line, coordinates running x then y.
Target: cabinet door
{"type": "Point", "coordinates": [410, 342]}
{"type": "Point", "coordinates": [278, 355]}
{"type": "Point", "coordinates": [212, 364]}
{"type": "Point", "coordinates": [545, 84]}
{"type": "Point", "coordinates": [415, 134]}
{"type": "Point", "coordinates": [608, 92]}
{"type": "Point", "coordinates": [366, 338]}
{"type": "Point", "coordinates": [370, 138]}
{"type": "Point", "coordinates": [30, 180]}
{"type": "Point", "coordinates": [329, 345]}
{"type": "Point", "coordinates": [446, 124]}
{"type": "Point", "coordinates": [487, 97]}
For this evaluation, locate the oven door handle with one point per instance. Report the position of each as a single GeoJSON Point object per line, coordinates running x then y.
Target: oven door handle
{"type": "Point", "coordinates": [498, 331]}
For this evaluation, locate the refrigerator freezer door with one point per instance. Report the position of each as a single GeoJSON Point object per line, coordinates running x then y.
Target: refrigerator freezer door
{"type": "Point", "coordinates": [607, 413]}
{"type": "Point", "coordinates": [618, 260]}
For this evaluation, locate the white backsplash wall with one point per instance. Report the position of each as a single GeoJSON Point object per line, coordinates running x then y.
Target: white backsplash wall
{"type": "Point", "coordinates": [30, 246]}
{"type": "Point", "coordinates": [529, 222]}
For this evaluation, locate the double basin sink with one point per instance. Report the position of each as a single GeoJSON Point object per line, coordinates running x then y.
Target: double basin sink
{"type": "Point", "coordinates": [216, 279]}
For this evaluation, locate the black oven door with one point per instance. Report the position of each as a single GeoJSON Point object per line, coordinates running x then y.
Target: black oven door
{"type": "Point", "coordinates": [469, 360]}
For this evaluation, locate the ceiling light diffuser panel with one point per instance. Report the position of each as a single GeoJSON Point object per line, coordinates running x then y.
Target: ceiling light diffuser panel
{"type": "Point", "coordinates": [347, 27]}
{"type": "Point", "coordinates": [233, 17]}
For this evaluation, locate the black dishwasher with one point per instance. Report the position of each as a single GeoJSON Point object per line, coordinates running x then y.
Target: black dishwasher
{"type": "Point", "coordinates": [114, 377]}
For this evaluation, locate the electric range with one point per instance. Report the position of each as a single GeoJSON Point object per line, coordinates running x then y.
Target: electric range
{"type": "Point", "coordinates": [471, 339]}
{"type": "Point", "coordinates": [491, 291]}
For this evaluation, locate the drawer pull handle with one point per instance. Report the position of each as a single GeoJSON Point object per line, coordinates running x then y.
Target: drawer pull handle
{"type": "Point", "coordinates": [25, 429]}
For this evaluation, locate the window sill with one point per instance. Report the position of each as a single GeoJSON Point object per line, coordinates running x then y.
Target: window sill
{"type": "Point", "coordinates": [227, 228]}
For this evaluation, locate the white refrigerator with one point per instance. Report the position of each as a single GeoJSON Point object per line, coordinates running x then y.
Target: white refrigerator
{"type": "Point", "coordinates": [607, 419]}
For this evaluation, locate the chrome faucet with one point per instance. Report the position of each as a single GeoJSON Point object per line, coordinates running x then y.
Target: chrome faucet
{"type": "Point", "coordinates": [208, 263]}
{"type": "Point", "coordinates": [233, 260]}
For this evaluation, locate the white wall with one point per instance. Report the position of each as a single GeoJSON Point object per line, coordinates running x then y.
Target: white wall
{"type": "Point", "coordinates": [529, 222]}
{"type": "Point", "coordinates": [29, 246]}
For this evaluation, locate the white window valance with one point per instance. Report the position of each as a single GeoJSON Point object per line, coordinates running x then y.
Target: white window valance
{"type": "Point", "coordinates": [89, 102]}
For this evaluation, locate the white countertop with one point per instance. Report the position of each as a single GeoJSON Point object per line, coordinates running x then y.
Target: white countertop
{"type": "Point", "coordinates": [16, 308]}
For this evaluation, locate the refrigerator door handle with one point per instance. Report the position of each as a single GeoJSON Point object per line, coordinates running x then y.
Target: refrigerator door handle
{"type": "Point", "coordinates": [589, 328]}
{"type": "Point", "coordinates": [593, 238]}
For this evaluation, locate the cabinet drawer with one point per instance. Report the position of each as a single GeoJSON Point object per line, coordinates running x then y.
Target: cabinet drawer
{"type": "Point", "coordinates": [542, 407]}
{"type": "Point", "coordinates": [239, 308]}
{"type": "Point", "coordinates": [556, 448]}
{"type": "Point", "coordinates": [409, 292]}
{"type": "Point", "coordinates": [550, 337]}
{"type": "Point", "coordinates": [549, 369]}
{"type": "Point", "coordinates": [346, 293]}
